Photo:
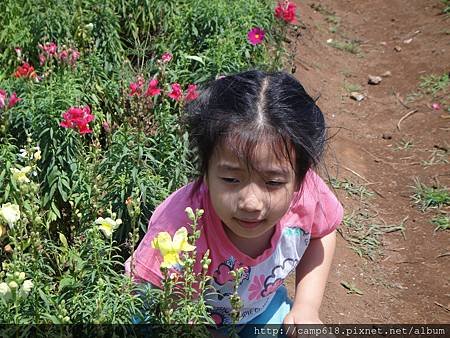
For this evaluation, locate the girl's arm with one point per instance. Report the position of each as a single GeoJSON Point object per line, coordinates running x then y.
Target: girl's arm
{"type": "Point", "coordinates": [311, 279]}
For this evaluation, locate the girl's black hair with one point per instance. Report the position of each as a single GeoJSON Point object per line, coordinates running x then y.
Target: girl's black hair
{"type": "Point", "coordinates": [245, 109]}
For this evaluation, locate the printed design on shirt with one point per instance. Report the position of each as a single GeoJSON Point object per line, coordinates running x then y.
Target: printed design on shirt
{"type": "Point", "coordinates": [222, 274]}
{"type": "Point", "coordinates": [260, 281]}
{"type": "Point", "coordinates": [255, 288]}
{"type": "Point", "coordinates": [273, 281]}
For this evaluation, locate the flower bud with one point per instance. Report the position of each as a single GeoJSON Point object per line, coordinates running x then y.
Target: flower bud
{"type": "Point", "coordinates": [190, 213]}
{"type": "Point", "coordinates": [13, 285]}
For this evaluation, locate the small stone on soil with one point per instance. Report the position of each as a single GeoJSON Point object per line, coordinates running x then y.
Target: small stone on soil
{"type": "Point", "coordinates": [397, 48]}
{"type": "Point", "coordinates": [386, 74]}
{"type": "Point", "coordinates": [386, 136]}
{"type": "Point", "coordinates": [374, 80]}
{"type": "Point", "coordinates": [407, 41]}
{"type": "Point", "coordinates": [357, 96]}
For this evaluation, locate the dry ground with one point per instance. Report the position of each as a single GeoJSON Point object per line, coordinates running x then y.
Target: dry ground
{"type": "Point", "coordinates": [408, 278]}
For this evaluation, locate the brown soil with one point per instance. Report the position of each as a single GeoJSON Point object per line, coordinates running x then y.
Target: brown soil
{"type": "Point", "coordinates": [408, 280]}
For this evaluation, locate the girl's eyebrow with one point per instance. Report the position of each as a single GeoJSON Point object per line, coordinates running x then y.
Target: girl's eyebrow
{"type": "Point", "coordinates": [267, 172]}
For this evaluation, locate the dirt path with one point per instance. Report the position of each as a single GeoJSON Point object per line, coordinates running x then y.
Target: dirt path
{"type": "Point", "coordinates": [374, 159]}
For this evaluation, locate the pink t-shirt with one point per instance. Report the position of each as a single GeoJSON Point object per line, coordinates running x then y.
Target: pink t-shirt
{"type": "Point", "coordinates": [314, 214]}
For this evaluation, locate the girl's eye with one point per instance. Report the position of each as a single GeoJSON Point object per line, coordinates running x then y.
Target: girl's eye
{"type": "Point", "coordinates": [229, 180]}
{"type": "Point", "coordinates": [274, 183]}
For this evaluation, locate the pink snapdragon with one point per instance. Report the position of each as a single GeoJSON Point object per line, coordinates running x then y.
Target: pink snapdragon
{"type": "Point", "coordinates": [255, 36]}
{"type": "Point", "coordinates": [176, 92]}
{"type": "Point", "coordinates": [136, 87]}
{"type": "Point", "coordinates": [191, 93]}
{"type": "Point", "coordinates": [2, 98]}
{"type": "Point", "coordinates": [166, 57]}
{"type": "Point", "coordinates": [13, 99]}
{"type": "Point", "coordinates": [286, 11]}
{"type": "Point", "coordinates": [78, 118]}
{"type": "Point", "coordinates": [152, 89]}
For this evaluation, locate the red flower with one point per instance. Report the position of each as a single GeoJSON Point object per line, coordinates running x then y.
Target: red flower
{"type": "Point", "coordinates": [78, 118]}
{"type": "Point", "coordinates": [286, 11]}
{"type": "Point", "coordinates": [166, 57]}
{"type": "Point", "coordinates": [255, 35]}
{"type": "Point", "coordinates": [136, 87]}
{"type": "Point", "coordinates": [192, 93]}
{"type": "Point", "coordinates": [153, 89]}
{"type": "Point", "coordinates": [176, 92]}
{"type": "Point", "coordinates": [13, 99]}
{"type": "Point", "coordinates": [25, 70]}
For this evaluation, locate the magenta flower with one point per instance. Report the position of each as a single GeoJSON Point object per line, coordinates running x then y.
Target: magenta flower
{"type": "Point", "coordinates": [136, 87]}
{"type": "Point", "coordinates": [152, 89]}
{"type": "Point", "coordinates": [42, 59]}
{"type": "Point", "coordinates": [166, 57]}
{"type": "Point", "coordinates": [63, 55]}
{"type": "Point", "coordinates": [2, 98]}
{"type": "Point", "coordinates": [78, 118]}
{"type": "Point", "coordinates": [286, 11]}
{"type": "Point", "coordinates": [13, 99]}
{"type": "Point", "coordinates": [255, 35]}
{"type": "Point", "coordinates": [176, 92]}
{"type": "Point", "coordinates": [74, 56]}
{"type": "Point", "coordinates": [191, 93]}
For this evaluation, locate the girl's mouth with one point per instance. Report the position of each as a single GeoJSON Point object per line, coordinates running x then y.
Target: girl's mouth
{"type": "Point", "coordinates": [249, 223]}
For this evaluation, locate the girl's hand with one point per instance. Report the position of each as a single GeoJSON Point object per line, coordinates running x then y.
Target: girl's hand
{"type": "Point", "coordinates": [294, 318]}
{"type": "Point", "coordinates": [302, 317]}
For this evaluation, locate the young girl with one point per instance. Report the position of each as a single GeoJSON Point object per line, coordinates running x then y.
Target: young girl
{"type": "Point", "coordinates": [257, 136]}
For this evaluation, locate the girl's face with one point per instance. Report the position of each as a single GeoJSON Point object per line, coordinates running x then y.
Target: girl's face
{"type": "Point", "coordinates": [250, 199]}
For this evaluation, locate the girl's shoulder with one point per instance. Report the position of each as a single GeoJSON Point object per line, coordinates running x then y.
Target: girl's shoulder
{"type": "Point", "coordinates": [170, 215]}
{"type": "Point", "coordinates": [315, 207]}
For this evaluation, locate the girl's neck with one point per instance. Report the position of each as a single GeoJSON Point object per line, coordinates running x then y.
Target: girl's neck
{"type": "Point", "coordinates": [252, 247]}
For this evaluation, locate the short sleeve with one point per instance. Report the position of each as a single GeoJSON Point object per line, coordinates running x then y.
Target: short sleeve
{"type": "Point", "coordinates": [327, 210]}
{"type": "Point", "coordinates": [144, 265]}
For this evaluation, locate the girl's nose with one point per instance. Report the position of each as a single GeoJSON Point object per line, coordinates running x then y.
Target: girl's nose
{"type": "Point", "coordinates": [251, 199]}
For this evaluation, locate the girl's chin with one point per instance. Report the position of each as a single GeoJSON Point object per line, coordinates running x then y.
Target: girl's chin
{"type": "Point", "coordinates": [250, 231]}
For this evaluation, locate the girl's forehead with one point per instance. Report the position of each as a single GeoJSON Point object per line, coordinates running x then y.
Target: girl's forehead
{"type": "Point", "coordinates": [261, 156]}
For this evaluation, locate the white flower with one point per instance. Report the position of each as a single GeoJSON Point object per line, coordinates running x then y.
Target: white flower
{"type": "Point", "coordinates": [13, 285]}
{"type": "Point", "coordinates": [5, 291]}
{"type": "Point", "coordinates": [37, 154]}
{"type": "Point", "coordinates": [10, 213]}
{"type": "Point", "coordinates": [108, 225]}
{"type": "Point", "coordinates": [20, 175]}
{"type": "Point", "coordinates": [26, 286]}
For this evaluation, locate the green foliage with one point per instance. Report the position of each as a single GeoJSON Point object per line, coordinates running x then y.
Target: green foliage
{"type": "Point", "coordinates": [136, 155]}
{"type": "Point", "coordinates": [427, 197]}
{"type": "Point", "coordinates": [433, 84]}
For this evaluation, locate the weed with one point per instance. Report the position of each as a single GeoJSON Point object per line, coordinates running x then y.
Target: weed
{"type": "Point", "coordinates": [404, 144]}
{"type": "Point", "coordinates": [351, 288]}
{"type": "Point", "coordinates": [430, 197]}
{"type": "Point", "coordinates": [351, 188]}
{"type": "Point", "coordinates": [438, 156]}
{"type": "Point", "coordinates": [351, 87]}
{"type": "Point", "coordinates": [432, 84]}
{"type": "Point", "coordinates": [442, 222]}
{"type": "Point", "coordinates": [346, 46]}
{"type": "Point", "coordinates": [363, 233]}
{"type": "Point", "coordinates": [411, 97]}
{"type": "Point", "coordinates": [446, 9]}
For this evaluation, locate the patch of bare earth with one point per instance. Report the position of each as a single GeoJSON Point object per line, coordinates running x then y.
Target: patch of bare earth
{"type": "Point", "coordinates": [408, 278]}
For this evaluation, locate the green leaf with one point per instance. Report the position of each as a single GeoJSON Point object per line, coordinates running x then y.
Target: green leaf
{"type": "Point", "coordinates": [63, 240]}
{"type": "Point", "coordinates": [196, 58]}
